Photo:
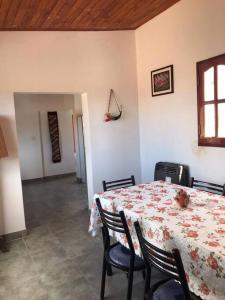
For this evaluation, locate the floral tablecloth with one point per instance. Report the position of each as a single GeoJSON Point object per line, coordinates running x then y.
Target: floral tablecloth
{"type": "Point", "coordinates": [197, 231]}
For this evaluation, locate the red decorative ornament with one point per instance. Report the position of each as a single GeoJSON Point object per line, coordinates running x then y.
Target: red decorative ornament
{"type": "Point", "coordinates": [113, 116]}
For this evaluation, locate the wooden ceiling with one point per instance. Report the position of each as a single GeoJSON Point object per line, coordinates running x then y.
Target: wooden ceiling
{"type": "Point", "coordinates": [79, 14]}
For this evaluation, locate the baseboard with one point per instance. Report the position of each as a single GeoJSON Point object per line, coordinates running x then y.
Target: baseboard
{"type": "Point", "coordinates": [49, 178]}
{"type": "Point", "coordinates": [6, 238]}
{"type": "Point", "coordinates": [9, 237]}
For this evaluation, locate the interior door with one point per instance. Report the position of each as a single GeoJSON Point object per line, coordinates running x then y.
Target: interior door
{"type": "Point", "coordinates": [81, 149]}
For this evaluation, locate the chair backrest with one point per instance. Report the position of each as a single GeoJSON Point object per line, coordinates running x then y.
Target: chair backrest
{"type": "Point", "coordinates": [207, 186]}
{"type": "Point", "coordinates": [178, 173]}
{"type": "Point", "coordinates": [115, 222]}
{"type": "Point", "coordinates": [169, 263]}
{"type": "Point", "coordinates": [116, 184]}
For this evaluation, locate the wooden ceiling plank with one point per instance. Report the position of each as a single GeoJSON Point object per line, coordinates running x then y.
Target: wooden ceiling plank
{"type": "Point", "coordinates": [43, 10]}
{"type": "Point", "coordinates": [69, 8]}
{"type": "Point", "coordinates": [91, 13]}
{"type": "Point", "coordinates": [105, 14]}
{"type": "Point", "coordinates": [26, 12]}
{"type": "Point", "coordinates": [84, 14]}
{"type": "Point", "coordinates": [12, 13]}
{"type": "Point", "coordinates": [77, 8]}
{"type": "Point", "coordinates": [4, 8]}
{"type": "Point", "coordinates": [53, 14]}
{"type": "Point", "coordinates": [120, 16]}
{"type": "Point", "coordinates": [79, 14]}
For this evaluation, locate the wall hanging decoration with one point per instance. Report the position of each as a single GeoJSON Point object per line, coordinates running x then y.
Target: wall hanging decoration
{"type": "Point", "coordinates": [54, 136]}
{"type": "Point", "coordinates": [162, 81]}
{"type": "Point", "coordinates": [109, 116]}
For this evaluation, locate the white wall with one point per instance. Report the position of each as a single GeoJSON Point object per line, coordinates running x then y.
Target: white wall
{"type": "Point", "coordinates": [66, 62]}
{"type": "Point", "coordinates": [11, 204]}
{"type": "Point", "coordinates": [188, 32]}
{"type": "Point", "coordinates": [30, 127]}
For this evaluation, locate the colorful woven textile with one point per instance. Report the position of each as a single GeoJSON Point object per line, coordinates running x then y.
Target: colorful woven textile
{"type": "Point", "coordinates": [54, 136]}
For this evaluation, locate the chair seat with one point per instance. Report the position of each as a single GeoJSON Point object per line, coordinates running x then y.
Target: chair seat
{"type": "Point", "coordinates": [120, 255]}
{"type": "Point", "coordinates": [171, 290]}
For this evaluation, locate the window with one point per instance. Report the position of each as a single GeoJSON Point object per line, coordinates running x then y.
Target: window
{"type": "Point", "coordinates": [211, 101]}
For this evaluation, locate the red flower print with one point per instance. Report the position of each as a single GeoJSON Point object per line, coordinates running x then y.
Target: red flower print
{"type": "Point", "coordinates": [194, 255]}
{"type": "Point", "coordinates": [187, 277]}
{"type": "Point", "coordinates": [204, 289]}
{"type": "Point", "coordinates": [161, 209]}
{"type": "Point", "coordinates": [156, 199]}
{"type": "Point", "coordinates": [141, 186]}
{"type": "Point", "coordinates": [220, 231]}
{"type": "Point", "coordinates": [212, 262]}
{"type": "Point", "coordinates": [222, 207]}
{"type": "Point", "coordinates": [117, 192]}
{"type": "Point", "coordinates": [192, 234]}
{"type": "Point", "coordinates": [169, 202]}
{"type": "Point", "coordinates": [150, 205]}
{"type": "Point", "coordinates": [214, 214]}
{"type": "Point", "coordinates": [200, 204]}
{"type": "Point", "coordinates": [140, 211]}
{"type": "Point", "coordinates": [150, 234]}
{"type": "Point", "coordinates": [196, 219]}
{"type": "Point", "coordinates": [196, 273]}
{"type": "Point", "coordinates": [185, 225]}
{"type": "Point", "coordinates": [160, 219]}
{"type": "Point", "coordinates": [166, 234]}
{"type": "Point", "coordinates": [173, 214]}
{"type": "Point", "coordinates": [222, 221]}
{"type": "Point", "coordinates": [214, 244]}
{"type": "Point", "coordinates": [135, 245]}
{"type": "Point", "coordinates": [215, 201]}
{"type": "Point", "coordinates": [129, 206]}
{"type": "Point", "coordinates": [129, 223]}
{"type": "Point", "coordinates": [189, 209]}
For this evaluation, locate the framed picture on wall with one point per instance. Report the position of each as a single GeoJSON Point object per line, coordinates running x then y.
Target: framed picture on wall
{"type": "Point", "coordinates": [162, 81]}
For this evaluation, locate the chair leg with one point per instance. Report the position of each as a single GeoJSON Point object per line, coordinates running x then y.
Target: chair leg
{"type": "Point", "coordinates": [104, 268]}
{"type": "Point", "coordinates": [130, 284]}
{"type": "Point", "coordinates": [147, 283]}
{"type": "Point", "coordinates": [109, 270]}
{"type": "Point", "coordinates": [144, 274]}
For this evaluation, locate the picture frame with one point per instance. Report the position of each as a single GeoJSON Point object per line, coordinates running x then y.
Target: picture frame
{"type": "Point", "coordinates": [162, 81]}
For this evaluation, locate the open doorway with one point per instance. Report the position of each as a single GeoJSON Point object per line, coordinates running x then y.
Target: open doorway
{"type": "Point", "coordinates": [52, 156]}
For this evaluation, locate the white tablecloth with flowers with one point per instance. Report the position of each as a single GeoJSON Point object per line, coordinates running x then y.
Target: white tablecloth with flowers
{"type": "Point", "coordinates": [198, 231]}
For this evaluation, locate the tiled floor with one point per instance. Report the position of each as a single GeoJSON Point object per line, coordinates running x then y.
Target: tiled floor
{"type": "Point", "coordinates": [58, 259]}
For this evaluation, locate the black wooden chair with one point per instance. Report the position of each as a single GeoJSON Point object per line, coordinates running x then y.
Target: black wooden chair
{"type": "Point", "coordinates": [117, 255]}
{"type": "Point", "coordinates": [175, 287]}
{"type": "Point", "coordinates": [207, 186]}
{"type": "Point", "coordinates": [117, 184]}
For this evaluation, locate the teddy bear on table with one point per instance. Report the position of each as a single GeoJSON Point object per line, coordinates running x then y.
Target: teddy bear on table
{"type": "Point", "coordinates": [182, 198]}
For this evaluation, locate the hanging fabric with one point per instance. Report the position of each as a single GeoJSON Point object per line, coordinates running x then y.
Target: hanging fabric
{"type": "Point", "coordinates": [113, 116]}
{"type": "Point", "coordinates": [54, 136]}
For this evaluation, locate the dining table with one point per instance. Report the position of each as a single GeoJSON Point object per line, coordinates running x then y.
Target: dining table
{"type": "Point", "coordinates": [198, 230]}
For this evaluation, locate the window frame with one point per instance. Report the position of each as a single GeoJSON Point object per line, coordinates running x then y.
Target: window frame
{"type": "Point", "coordinates": [201, 67]}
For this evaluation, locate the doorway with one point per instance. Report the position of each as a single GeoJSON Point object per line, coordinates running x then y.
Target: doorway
{"type": "Point", "coordinates": [51, 189]}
